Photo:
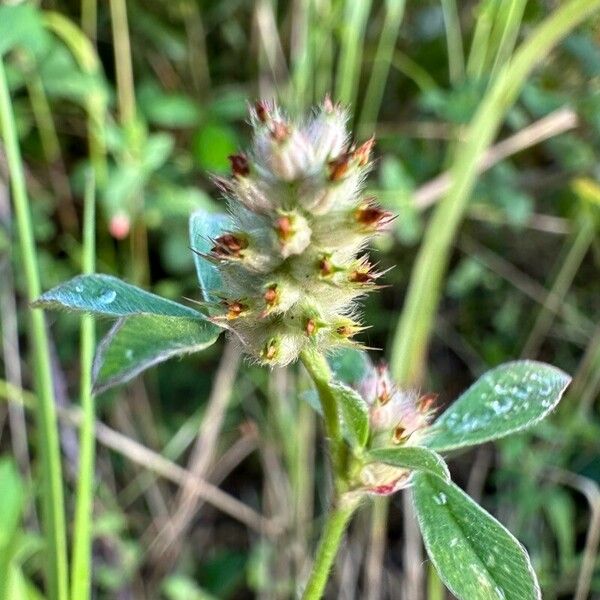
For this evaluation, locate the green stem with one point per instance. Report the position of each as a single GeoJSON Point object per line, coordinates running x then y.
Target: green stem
{"type": "Point", "coordinates": [96, 101]}
{"type": "Point", "coordinates": [456, 59]}
{"type": "Point", "coordinates": [577, 247]}
{"type": "Point", "coordinates": [414, 329]}
{"type": "Point", "coordinates": [89, 19]}
{"type": "Point", "coordinates": [319, 370]}
{"type": "Point", "coordinates": [49, 447]}
{"type": "Point", "coordinates": [336, 523]}
{"type": "Point", "coordinates": [123, 66]}
{"type": "Point", "coordinates": [481, 40]}
{"type": "Point", "coordinates": [321, 40]}
{"type": "Point", "coordinates": [508, 36]}
{"type": "Point", "coordinates": [81, 580]}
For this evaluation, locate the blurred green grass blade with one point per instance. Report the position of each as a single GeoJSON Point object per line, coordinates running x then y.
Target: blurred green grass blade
{"type": "Point", "coordinates": [486, 11]}
{"type": "Point", "coordinates": [81, 564]}
{"type": "Point", "coordinates": [108, 296]}
{"type": "Point", "coordinates": [456, 58]}
{"type": "Point", "coordinates": [414, 458]}
{"type": "Point", "coordinates": [321, 33]}
{"type": "Point", "coordinates": [508, 24]}
{"type": "Point", "coordinates": [577, 246]}
{"type": "Point", "coordinates": [97, 100]}
{"type": "Point", "coordinates": [509, 398]}
{"type": "Point", "coordinates": [416, 322]}
{"type": "Point", "coordinates": [11, 508]}
{"type": "Point", "coordinates": [394, 12]}
{"type": "Point", "coordinates": [301, 58]}
{"type": "Point", "coordinates": [352, 26]}
{"type": "Point", "coordinates": [137, 343]}
{"type": "Point", "coordinates": [56, 565]}
{"type": "Point", "coordinates": [476, 557]}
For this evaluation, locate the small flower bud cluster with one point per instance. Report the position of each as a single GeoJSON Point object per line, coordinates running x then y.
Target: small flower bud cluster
{"type": "Point", "coordinates": [292, 263]}
{"type": "Point", "coordinates": [397, 418]}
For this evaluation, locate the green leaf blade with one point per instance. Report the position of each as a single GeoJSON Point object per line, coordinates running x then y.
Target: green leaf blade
{"type": "Point", "coordinates": [415, 458]}
{"type": "Point", "coordinates": [354, 412]}
{"type": "Point", "coordinates": [205, 227]}
{"type": "Point", "coordinates": [476, 557]}
{"type": "Point", "coordinates": [136, 343]}
{"type": "Point", "coordinates": [505, 400]}
{"type": "Point", "coordinates": [108, 296]}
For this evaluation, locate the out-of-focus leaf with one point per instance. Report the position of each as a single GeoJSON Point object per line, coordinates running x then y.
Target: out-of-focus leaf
{"type": "Point", "coordinates": [213, 143]}
{"type": "Point", "coordinates": [179, 587]}
{"type": "Point", "coordinates": [136, 343]}
{"type": "Point", "coordinates": [585, 48]}
{"type": "Point", "coordinates": [111, 297]}
{"type": "Point", "coordinates": [230, 105]}
{"type": "Point", "coordinates": [350, 365]}
{"type": "Point", "coordinates": [506, 399]}
{"type": "Point", "coordinates": [475, 556]}
{"type": "Point", "coordinates": [21, 25]}
{"type": "Point", "coordinates": [157, 150]}
{"type": "Point", "coordinates": [415, 458]}
{"type": "Point", "coordinates": [167, 109]}
{"type": "Point", "coordinates": [164, 200]}
{"type": "Point", "coordinates": [123, 183]}
{"type": "Point", "coordinates": [397, 195]}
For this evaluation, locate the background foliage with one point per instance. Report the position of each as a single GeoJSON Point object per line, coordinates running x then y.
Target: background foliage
{"type": "Point", "coordinates": [153, 96]}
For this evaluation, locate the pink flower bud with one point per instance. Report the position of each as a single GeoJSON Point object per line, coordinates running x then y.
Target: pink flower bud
{"type": "Point", "coordinates": [119, 226]}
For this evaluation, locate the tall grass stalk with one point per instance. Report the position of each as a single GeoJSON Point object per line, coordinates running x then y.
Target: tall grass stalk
{"type": "Point", "coordinates": [456, 58]}
{"type": "Point", "coordinates": [123, 65]}
{"type": "Point", "coordinates": [81, 575]}
{"type": "Point", "coordinates": [56, 565]}
{"type": "Point", "coordinates": [321, 41]}
{"type": "Point", "coordinates": [300, 56]}
{"type": "Point", "coordinates": [481, 39]}
{"type": "Point", "coordinates": [509, 25]}
{"type": "Point", "coordinates": [576, 247]}
{"type": "Point", "coordinates": [353, 26]}
{"type": "Point", "coordinates": [96, 99]}
{"type": "Point", "coordinates": [417, 319]}
{"type": "Point", "coordinates": [89, 19]}
{"type": "Point", "coordinates": [394, 11]}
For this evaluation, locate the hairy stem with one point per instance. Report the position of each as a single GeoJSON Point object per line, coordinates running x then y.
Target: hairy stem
{"type": "Point", "coordinates": [336, 524]}
{"type": "Point", "coordinates": [319, 370]}
{"type": "Point", "coordinates": [339, 516]}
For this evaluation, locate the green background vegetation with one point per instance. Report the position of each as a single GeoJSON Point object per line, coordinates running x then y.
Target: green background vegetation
{"type": "Point", "coordinates": [494, 262]}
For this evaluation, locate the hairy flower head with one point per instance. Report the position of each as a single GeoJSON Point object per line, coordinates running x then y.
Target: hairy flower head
{"type": "Point", "coordinates": [293, 263]}
{"type": "Point", "coordinates": [397, 417]}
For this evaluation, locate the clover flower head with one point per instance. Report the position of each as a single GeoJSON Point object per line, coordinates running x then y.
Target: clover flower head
{"type": "Point", "coordinates": [397, 417]}
{"type": "Point", "coordinates": [293, 264]}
